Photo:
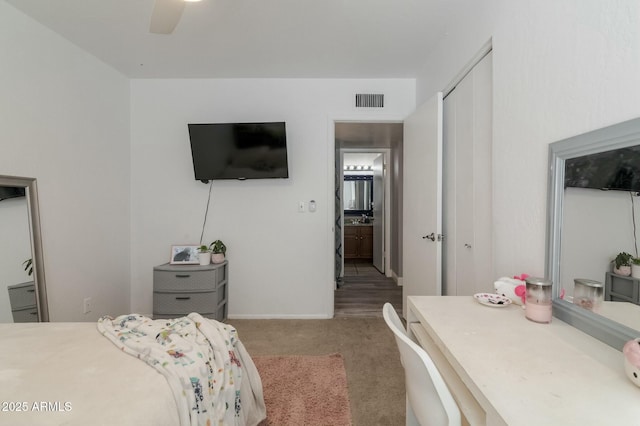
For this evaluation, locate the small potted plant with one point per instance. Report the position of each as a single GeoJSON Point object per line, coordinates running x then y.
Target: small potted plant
{"type": "Point", "coordinates": [218, 250]}
{"type": "Point", "coordinates": [204, 255]}
{"type": "Point", "coordinates": [635, 267]}
{"type": "Point", "coordinates": [622, 264]}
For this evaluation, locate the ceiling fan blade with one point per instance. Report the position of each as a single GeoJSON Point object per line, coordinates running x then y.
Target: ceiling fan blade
{"type": "Point", "coordinates": [165, 16]}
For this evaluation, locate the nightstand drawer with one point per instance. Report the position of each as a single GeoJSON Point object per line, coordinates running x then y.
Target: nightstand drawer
{"type": "Point", "coordinates": [29, 314]}
{"type": "Point", "coordinates": [184, 280]}
{"type": "Point", "coordinates": [22, 295]}
{"type": "Point", "coordinates": [184, 303]}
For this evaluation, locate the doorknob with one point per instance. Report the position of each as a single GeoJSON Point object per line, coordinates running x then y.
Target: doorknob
{"type": "Point", "coordinates": [433, 237]}
{"type": "Point", "coordinates": [467, 245]}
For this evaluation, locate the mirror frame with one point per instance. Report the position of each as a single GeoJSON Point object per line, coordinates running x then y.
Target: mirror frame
{"type": "Point", "coordinates": [31, 186]}
{"type": "Point", "coordinates": [619, 135]}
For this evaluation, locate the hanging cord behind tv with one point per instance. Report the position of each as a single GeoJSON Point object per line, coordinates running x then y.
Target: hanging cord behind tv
{"type": "Point", "coordinates": [206, 212]}
{"type": "Point", "coordinates": [633, 218]}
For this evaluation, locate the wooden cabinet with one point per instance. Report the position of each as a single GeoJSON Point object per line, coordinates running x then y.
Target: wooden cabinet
{"type": "Point", "coordinates": [179, 290]}
{"type": "Point", "coordinates": [358, 242]}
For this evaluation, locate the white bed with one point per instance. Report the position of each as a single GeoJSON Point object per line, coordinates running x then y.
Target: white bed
{"type": "Point", "coordinates": [68, 373]}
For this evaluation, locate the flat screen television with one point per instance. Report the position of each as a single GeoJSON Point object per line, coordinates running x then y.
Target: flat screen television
{"type": "Point", "coordinates": [618, 169]}
{"type": "Point", "coordinates": [7, 192]}
{"type": "Point", "coordinates": [239, 150]}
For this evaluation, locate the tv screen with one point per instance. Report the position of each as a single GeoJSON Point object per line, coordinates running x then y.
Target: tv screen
{"type": "Point", "coordinates": [618, 169]}
{"type": "Point", "coordinates": [7, 192]}
{"type": "Point", "coordinates": [239, 150]}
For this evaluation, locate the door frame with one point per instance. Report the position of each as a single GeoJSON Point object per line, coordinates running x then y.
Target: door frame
{"type": "Point", "coordinates": [330, 208]}
{"type": "Point", "coordinates": [386, 234]}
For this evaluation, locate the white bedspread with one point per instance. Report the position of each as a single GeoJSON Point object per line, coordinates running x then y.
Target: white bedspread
{"type": "Point", "coordinates": [69, 374]}
{"type": "Point", "coordinates": [80, 376]}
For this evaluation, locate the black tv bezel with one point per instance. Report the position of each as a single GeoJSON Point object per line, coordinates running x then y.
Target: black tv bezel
{"type": "Point", "coordinates": [9, 192]}
{"type": "Point", "coordinates": [248, 177]}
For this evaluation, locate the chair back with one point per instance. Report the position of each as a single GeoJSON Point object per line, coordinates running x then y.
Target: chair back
{"type": "Point", "coordinates": [427, 393]}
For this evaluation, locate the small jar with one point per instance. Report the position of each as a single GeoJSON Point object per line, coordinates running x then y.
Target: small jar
{"type": "Point", "coordinates": [588, 294]}
{"type": "Point", "coordinates": [538, 306]}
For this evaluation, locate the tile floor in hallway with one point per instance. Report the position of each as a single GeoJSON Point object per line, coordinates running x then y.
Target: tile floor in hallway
{"type": "Point", "coordinates": [364, 290]}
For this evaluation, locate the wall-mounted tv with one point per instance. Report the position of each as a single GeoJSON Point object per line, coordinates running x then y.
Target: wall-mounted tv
{"type": "Point", "coordinates": [7, 192]}
{"type": "Point", "coordinates": [618, 169]}
{"type": "Point", "coordinates": [239, 150]}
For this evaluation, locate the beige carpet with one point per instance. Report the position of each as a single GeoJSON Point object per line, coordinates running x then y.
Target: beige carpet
{"type": "Point", "coordinates": [371, 358]}
{"type": "Point", "coordinates": [304, 390]}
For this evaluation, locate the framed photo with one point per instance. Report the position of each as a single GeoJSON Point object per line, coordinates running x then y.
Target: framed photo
{"type": "Point", "coordinates": [185, 254]}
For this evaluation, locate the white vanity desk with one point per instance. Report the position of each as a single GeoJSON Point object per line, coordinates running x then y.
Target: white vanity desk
{"type": "Point", "coordinates": [506, 370]}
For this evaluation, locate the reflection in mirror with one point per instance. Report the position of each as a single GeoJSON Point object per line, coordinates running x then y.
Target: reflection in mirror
{"type": "Point", "coordinates": [358, 194]}
{"type": "Point", "coordinates": [589, 226]}
{"type": "Point", "coordinates": [22, 284]}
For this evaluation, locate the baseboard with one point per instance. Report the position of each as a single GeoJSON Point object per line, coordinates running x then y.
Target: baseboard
{"type": "Point", "coordinates": [396, 278]}
{"type": "Point", "coordinates": [278, 316]}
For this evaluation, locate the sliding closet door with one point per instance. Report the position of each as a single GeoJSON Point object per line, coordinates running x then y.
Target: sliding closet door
{"type": "Point", "coordinates": [468, 246]}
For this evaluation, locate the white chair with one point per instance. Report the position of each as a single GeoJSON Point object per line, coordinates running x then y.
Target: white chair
{"type": "Point", "coordinates": [429, 401]}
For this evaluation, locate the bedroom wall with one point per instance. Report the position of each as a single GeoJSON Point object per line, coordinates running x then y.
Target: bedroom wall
{"type": "Point", "coordinates": [64, 119]}
{"type": "Point", "coordinates": [280, 260]}
{"type": "Point", "coordinates": [561, 68]}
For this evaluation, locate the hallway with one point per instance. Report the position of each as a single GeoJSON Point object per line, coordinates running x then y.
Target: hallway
{"type": "Point", "coordinates": [364, 290]}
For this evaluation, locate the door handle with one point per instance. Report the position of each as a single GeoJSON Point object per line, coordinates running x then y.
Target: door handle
{"type": "Point", "coordinates": [433, 237]}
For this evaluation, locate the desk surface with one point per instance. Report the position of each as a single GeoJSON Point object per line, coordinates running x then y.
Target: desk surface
{"type": "Point", "coordinates": [524, 373]}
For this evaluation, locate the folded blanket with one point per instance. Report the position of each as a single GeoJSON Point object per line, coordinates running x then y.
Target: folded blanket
{"type": "Point", "coordinates": [211, 375]}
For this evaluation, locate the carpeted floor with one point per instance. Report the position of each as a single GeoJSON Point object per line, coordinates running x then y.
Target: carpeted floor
{"type": "Point", "coordinates": [306, 390]}
{"type": "Point", "coordinates": [374, 374]}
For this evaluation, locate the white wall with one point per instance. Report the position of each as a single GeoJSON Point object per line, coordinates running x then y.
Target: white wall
{"type": "Point", "coordinates": [561, 68]}
{"type": "Point", "coordinates": [64, 119]}
{"type": "Point", "coordinates": [279, 259]}
{"type": "Point", "coordinates": [597, 226]}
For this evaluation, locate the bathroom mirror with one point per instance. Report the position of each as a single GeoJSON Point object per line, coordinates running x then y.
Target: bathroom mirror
{"type": "Point", "coordinates": [23, 296]}
{"type": "Point", "coordinates": [358, 194]}
{"type": "Point", "coordinates": [567, 212]}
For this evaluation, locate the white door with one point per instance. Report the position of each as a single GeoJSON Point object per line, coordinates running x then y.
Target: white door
{"type": "Point", "coordinates": [378, 213]}
{"type": "Point", "coordinates": [422, 201]}
{"type": "Point", "coordinates": [468, 248]}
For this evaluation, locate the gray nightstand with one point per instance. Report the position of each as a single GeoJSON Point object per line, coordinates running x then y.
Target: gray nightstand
{"type": "Point", "coordinates": [179, 290]}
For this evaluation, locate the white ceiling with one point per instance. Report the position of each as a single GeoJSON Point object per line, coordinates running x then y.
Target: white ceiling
{"type": "Point", "coordinates": [255, 38]}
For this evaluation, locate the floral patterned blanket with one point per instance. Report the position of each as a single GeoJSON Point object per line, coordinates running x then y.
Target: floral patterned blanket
{"type": "Point", "coordinates": [211, 375]}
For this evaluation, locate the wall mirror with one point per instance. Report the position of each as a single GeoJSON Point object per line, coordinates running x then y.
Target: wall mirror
{"type": "Point", "coordinates": [23, 296]}
{"type": "Point", "coordinates": [358, 194]}
{"type": "Point", "coordinates": [587, 227]}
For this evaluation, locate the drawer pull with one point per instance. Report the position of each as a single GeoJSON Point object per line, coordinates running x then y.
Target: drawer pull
{"type": "Point", "coordinates": [182, 275]}
{"type": "Point", "coordinates": [31, 291]}
{"type": "Point", "coordinates": [183, 298]}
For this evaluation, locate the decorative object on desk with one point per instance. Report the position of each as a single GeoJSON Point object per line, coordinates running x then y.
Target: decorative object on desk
{"type": "Point", "coordinates": [493, 300]}
{"type": "Point", "coordinates": [513, 288]}
{"type": "Point", "coordinates": [635, 267]}
{"type": "Point", "coordinates": [631, 352]}
{"type": "Point", "coordinates": [204, 255]}
{"type": "Point", "coordinates": [186, 254]}
{"type": "Point", "coordinates": [538, 307]}
{"type": "Point", "coordinates": [588, 294]}
{"type": "Point", "coordinates": [218, 251]}
{"type": "Point", "coordinates": [622, 264]}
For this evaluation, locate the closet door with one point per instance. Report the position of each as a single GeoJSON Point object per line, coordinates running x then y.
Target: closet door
{"type": "Point", "coordinates": [468, 255]}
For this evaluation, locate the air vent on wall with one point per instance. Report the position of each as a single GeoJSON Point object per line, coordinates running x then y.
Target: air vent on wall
{"type": "Point", "coordinates": [368, 100]}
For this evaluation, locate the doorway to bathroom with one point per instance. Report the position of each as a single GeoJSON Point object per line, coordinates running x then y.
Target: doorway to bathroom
{"type": "Point", "coordinates": [368, 217]}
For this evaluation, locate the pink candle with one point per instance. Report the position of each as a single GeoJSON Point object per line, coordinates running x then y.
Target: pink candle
{"type": "Point", "coordinates": [538, 313]}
